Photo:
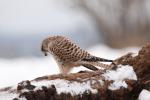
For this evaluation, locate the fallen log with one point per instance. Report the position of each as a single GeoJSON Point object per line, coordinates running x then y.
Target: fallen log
{"type": "Point", "coordinates": [124, 81]}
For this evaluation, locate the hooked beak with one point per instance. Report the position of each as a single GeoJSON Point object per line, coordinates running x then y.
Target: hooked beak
{"type": "Point", "coordinates": [45, 53]}
{"type": "Point", "coordinates": [42, 49]}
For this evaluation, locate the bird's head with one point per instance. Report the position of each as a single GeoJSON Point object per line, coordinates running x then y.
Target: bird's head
{"type": "Point", "coordinates": [47, 44]}
{"type": "Point", "coordinates": [45, 47]}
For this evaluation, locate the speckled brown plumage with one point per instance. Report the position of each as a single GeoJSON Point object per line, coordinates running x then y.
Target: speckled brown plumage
{"type": "Point", "coordinates": [69, 55]}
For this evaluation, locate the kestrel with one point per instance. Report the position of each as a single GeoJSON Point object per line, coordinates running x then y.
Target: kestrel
{"type": "Point", "coordinates": [68, 55]}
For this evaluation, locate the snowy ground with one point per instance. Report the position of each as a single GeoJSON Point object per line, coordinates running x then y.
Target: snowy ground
{"type": "Point", "coordinates": [14, 71]}
{"type": "Point", "coordinates": [76, 88]}
{"type": "Point", "coordinates": [144, 95]}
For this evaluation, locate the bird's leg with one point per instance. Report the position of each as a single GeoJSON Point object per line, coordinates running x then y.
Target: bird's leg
{"type": "Point", "coordinates": [64, 69]}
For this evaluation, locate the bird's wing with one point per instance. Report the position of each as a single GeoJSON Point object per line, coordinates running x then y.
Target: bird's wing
{"type": "Point", "coordinates": [68, 51]}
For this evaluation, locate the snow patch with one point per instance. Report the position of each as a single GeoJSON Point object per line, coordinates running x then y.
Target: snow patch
{"type": "Point", "coordinates": [117, 84]}
{"type": "Point", "coordinates": [144, 95]}
{"type": "Point", "coordinates": [23, 98]}
{"type": "Point", "coordinates": [64, 86]}
{"type": "Point", "coordinates": [118, 76]}
{"type": "Point", "coordinates": [134, 54]}
{"type": "Point", "coordinates": [7, 96]}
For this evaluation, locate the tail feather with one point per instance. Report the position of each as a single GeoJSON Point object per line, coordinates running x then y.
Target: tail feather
{"type": "Point", "coordinates": [91, 67]}
{"type": "Point", "coordinates": [95, 59]}
{"type": "Point", "coordinates": [101, 65]}
{"type": "Point", "coordinates": [94, 65]}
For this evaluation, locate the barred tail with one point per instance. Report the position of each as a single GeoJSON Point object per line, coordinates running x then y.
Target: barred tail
{"type": "Point", "coordinates": [105, 66]}
{"type": "Point", "coordinates": [95, 59]}
{"type": "Point", "coordinates": [93, 65]}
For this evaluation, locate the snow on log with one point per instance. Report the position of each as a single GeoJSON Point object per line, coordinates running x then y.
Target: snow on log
{"type": "Point", "coordinates": [125, 81]}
